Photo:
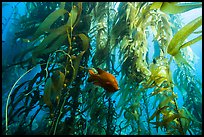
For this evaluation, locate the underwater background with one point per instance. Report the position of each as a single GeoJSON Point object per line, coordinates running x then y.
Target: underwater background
{"type": "Point", "coordinates": [153, 49]}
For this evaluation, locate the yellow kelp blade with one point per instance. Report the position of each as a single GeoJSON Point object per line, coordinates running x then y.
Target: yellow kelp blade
{"type": "Point", "coordinates": [46, 24]}
{"type": "Point", "coordinates": [185, 121]}
{"type": "Point", "coordinates": [167, 100]}
{"type": "Point", "coordinates": [175, 7]}
{"type": "Point", "coordinates": [156, 5]}
{"type": "Point", "coordinates": [170, 116]}
{"type": "Point", "coordinates": [159, 74]}
{"type": "Point", "coordinates": [192, 41]}
{"type": "Point", "coordinates": [157, 90]}
{"type": "Point", "coordinates": [172, 8]}
{"type": "Point", "coordinates": [157, 112]}
{"type": "Point", "coordinates": [178, 39]}
{"type": "Point", "coordinates": [166, 119]}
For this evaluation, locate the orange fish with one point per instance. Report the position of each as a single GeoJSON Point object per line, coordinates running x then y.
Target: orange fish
{"type": "Point", "coordinates": [104, 80]}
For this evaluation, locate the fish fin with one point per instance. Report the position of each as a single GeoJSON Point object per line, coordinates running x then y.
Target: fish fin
{"type": "Point", "coordinates": [100, 71]}
{"type": "Point", "coordinates": [91, 72]}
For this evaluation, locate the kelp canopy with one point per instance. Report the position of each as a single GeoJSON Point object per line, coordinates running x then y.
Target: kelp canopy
{"type": "Point", "coordinates": [65, 38]}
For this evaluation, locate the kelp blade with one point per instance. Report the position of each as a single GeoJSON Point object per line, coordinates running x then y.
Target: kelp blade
{"type": "Point", "coordinates": [85, 41]}
{"type": "Point", "coordinates": [46, 24]}
{"type": "Point", "coordinates": [178, 39]}
{"type": "Point", "coordinates": [172, 8]}
{"type": "Point", "coordinates": [72, 16]}
{"type": "Point", "coordinates": [47, 93]}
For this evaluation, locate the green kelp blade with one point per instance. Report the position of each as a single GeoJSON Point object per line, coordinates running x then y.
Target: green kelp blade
{"type": "Point", "coordinates": [188, 3]}
{"type": "Point", "coordinates": [62, 5]}
{"type": "Point", "coordinates": [187, 114]}
{"type": "Point", "coordinates": [180, 59]}
{"type": "Point", "coordinates": [165, 121]}
{"type": "Point", "coordinates": [72, 16]}
{"type": "Point", "coordinates": [157, 112]}
{"type": "Point", "coordinates": [42, 46]}
{"type": "Point", "coordinates": [46, 24]}
{"type": "Point", "coordinates": [76, 63]}
{"type": "Point", "coordinates": [47, 93]}
{"type": "Point", "coordinates": [170, 117]}
{"type": "Point", "coordinates": [166, 100]}
{"type": "Point", "coordinates": [156, 5]}
{"type": "Point", "coordinates": [178, 39]}
{"type": "Point", "coordinates": [191, 41]}
{"type": "Point", "coordinates": [172, 8]}
{"type": "Point", "coordinates": [79, 13]}
{"type": "Point", "coordinates": [44, 43]}
{"type": "Point", "coordinates": [56, 44]}
{"type": "Point", "coordinates": [58, 82]}
{"type": "Point", "coordinates": [123, 96]}
{"type": "Point", "coordinates": [85, 41]}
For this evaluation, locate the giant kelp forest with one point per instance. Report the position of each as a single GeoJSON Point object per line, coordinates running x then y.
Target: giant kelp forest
{"type": "Point", "coordinates": [62, 40]}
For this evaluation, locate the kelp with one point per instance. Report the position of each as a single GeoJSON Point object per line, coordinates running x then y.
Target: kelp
{"type": "Point", "coordinates": [72, 37]}
{"type": "Point", "coordinates": [85, 41]}
{"type": "Point", "coordinates": [49, 45]}
{"type": "Point", "coordinates": [177, 41]}
{"type": "Point", "coordinates": [53, 88]}
{"type": "Point", "coordinates": [190, 87]}
{"type": "Point", "coordinates": [133, 41]}
{"type": "Point", "coordinates": [175, 7]}
{"type": "Point", "coordinates": [54, 33]}
{"type": "Point", "coordinates": [46, 24]}
{"type": "Point", "coordinates": [160, 77]}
